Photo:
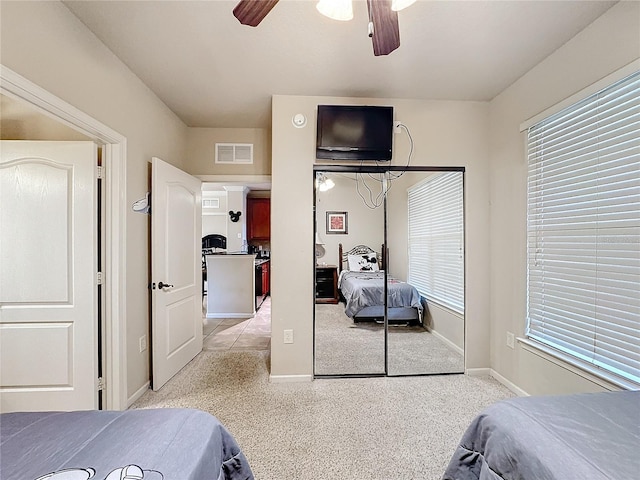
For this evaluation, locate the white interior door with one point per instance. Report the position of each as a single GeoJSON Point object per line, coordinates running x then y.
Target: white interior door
{"type": "Point", "coordinates": [176, 270]}
{"type": "Point", "coordinates": [48, 323]}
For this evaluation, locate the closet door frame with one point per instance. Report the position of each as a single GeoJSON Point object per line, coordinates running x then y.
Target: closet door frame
{"type": "Point", "coordinates": [375, 169]}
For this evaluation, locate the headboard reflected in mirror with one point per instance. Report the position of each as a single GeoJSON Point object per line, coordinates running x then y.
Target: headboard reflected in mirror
{"type": "Point", "coordinates": [343, 262]}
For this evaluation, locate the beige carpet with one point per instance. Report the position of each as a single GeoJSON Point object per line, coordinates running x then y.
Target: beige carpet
{"type": "Point", "coordinates": [365, 428]}
{"type": "Point", "coordinates": [344, 347]}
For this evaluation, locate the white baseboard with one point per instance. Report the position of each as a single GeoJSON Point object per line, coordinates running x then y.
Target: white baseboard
{"type": "Point", "coordinates": [478, 372]}
{"type": "Point", "coordinates": [290, 378]}
{"type": "Point", "coordinates": [448, 342]}
{"type": "Point", "coordinates": [138, 394]}
{"type": "Point", "coordinates": [490, 372]}
{"type": "Point", "coordinates": [507, 383]}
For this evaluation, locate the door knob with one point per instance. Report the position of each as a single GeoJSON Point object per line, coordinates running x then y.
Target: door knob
{"type": "Point", "coordinates": [164, 285]}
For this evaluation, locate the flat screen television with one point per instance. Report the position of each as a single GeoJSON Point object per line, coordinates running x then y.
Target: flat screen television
{"type": "Point", "coordinates": [354, 132]}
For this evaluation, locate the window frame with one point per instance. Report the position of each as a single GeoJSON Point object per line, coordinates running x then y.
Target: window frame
{"type": "Point", "coordinates": [592, 366]}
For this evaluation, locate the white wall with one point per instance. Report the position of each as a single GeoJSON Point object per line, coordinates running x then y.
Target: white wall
{"type": "Point", "coordinates": [445, 134]}
{"type": "Point", "coordinates": [20, 121]}
{"type": "Point", "coordinates": [237, 231]}
{"type": "Point", "coordinates": [214, 223]}
{"type": "Point", "coordinates": [201, 152]}
{"type": "Point", "coordinates": [214, 220]}
{"type": "Point", "coordinates": [45, 43]}
{"type": "Point", "coordinates": [608, 44]}
{"type": "Point", "coordinates": [365, 225]}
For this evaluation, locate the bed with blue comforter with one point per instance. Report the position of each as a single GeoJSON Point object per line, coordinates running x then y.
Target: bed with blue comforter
{"type": "Point", "coordinates": [363, 293]}
{"type": "Point", "coordinates": [153, 444]}
{"type": "Point", "coordinates": [593, 436]}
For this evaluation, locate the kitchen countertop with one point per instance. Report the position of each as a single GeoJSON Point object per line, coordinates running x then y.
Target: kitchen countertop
{"type": "Point", "coordinates": [257, 261]}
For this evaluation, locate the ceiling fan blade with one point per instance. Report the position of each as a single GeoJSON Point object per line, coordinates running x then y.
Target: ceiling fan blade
{"type": "Point", "coordinates": [252, 12]}
{"type": "Point", "coordinates": [386, 32]}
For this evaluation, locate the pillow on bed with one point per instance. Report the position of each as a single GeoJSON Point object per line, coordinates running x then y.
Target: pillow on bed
{"type": "Point", "coordinates": [366, 262]}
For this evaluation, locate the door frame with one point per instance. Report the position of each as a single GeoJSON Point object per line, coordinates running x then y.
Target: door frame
{"type": "Point", "coordinates": [114, 234]}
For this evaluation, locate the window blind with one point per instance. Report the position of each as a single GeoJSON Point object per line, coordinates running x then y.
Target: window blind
{"type": "Point", "coordinates": [583, 230]}
{"type": "Point", "coordinates": [436, 239]}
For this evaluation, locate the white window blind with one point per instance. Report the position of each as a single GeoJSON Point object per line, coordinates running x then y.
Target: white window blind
{"type": "Point", "coordinates": [583, 228]}
{"type": "Point", "coordinates": [436, 239]}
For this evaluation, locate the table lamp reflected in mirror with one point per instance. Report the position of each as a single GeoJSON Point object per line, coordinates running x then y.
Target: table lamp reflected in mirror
{"type": "Point", "coordinates": [320, 251]}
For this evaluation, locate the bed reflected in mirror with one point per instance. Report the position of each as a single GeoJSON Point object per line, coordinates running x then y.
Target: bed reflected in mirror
{"type": "Point", "coordinates": [344, 346]}
{"type": "Point", "coordinates": [404, 238]}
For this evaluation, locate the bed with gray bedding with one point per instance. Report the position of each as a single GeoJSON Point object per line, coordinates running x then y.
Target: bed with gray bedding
{"type": "Point", "coordinates": [168, 444]}
{"type": "Point", "coordinates": [361, 286]}
{"type": "Point", "coordinates": [364, 296]}
{"type": "Point", "coordinates": [593, 436]}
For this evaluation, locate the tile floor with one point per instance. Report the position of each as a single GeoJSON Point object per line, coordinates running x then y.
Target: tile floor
{"type": "Point", "coordinates": [240, 333]}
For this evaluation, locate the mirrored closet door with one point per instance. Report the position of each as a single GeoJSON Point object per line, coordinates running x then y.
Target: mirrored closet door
{"type": "Point", "coordinates": [396, 240]}
{"type": "Point", "coordinates": [345, 225]}
{"type": "Point", "coordinates": [425, 273]}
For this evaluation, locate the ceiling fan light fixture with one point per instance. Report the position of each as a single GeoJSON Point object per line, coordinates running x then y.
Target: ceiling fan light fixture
{"type": "Point", "coordinates": [327, 185]}
{"type": "Point", "coordinates": [323, 183]}
{"type": "Point", "coordinates": [336, 9]}
{"type": "Point", "coordinates": [397, 5]}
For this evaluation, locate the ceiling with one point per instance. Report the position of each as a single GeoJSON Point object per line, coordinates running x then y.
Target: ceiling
{"type": "Point", "coordinates": [214, 72]}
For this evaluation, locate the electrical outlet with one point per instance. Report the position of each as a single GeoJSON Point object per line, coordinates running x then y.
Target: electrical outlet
{"type": "Point", "coordinates": [396, 127]}
{"type": "Point", "coordinates": [510, 340]}
{"type": "Point", "coordinates": [288, 336]}
{"type": "Point", "coordinates": [143, 343]}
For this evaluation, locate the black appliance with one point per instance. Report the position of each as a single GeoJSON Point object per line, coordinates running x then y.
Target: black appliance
{"type": "Point", "coordinates": [354, 132]}
{"type": "Point", "coordinates": [214, 241]}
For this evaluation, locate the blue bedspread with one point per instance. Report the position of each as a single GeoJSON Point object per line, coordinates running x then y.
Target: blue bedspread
{"type": "Point", "coordinates": [365, 289]}
{"type": "Point", "coordinates": [594, 436]}
{"type": "Point", "coordinates": [169, 444]}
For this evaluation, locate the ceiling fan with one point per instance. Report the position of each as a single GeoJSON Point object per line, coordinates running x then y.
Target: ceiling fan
{"type": "Point", "coordinates": [383, 18]}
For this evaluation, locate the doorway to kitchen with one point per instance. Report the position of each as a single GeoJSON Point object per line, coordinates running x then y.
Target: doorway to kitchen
{"type": "Point", "coordinates": [236, 266]}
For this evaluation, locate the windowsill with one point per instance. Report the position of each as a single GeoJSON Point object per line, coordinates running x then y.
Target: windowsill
{"type": "Point", "coordinates": [584, 370]}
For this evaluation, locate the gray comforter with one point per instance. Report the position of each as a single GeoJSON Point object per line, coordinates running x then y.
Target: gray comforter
{"type": "Point", "coordinates": [169, 444]}
{"type": "Point", "coordinates": [365, 289]}
{"type": "Point", "coordinates": [573, 437]}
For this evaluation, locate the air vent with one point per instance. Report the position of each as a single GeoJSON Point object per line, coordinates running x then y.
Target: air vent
{"type": "Point", "coordinates": [210, 203]}
{"type": "Point", "coordinates": [234, 153]}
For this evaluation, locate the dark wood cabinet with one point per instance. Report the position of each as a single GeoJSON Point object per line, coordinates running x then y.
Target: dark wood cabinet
{"type": "Point", "coordinates": [262, 279]}
{"type": "Point", "coordinates": [326, 284]}
{"type": "Point", "coordinates": [265, 279]}
{"type": "Point", "coordinates": [258, 219]}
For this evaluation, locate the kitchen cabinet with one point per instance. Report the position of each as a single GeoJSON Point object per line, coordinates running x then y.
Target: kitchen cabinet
{"type": "Point", "coordinates": [230, 290]}
{"type": "Point", "coordinates": [261, 281]}
{"type": "Point", "coordinates": [262, 278]}
{"type": "Point", "coordinates": [259, 219]}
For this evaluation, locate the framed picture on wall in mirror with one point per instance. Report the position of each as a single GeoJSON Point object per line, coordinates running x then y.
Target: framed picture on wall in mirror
{"type": "Point", "coordinates": [337, 222]}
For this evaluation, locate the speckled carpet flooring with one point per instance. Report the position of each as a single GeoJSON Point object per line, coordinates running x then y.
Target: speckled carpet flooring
{"type": "Point", "coordinates": [367, 428]}
{"type": "Point", "coordinates": [345, 347]}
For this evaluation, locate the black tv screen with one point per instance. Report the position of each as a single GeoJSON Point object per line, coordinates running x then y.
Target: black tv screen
{"type": "Point", "coordinates": [354, 132]}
